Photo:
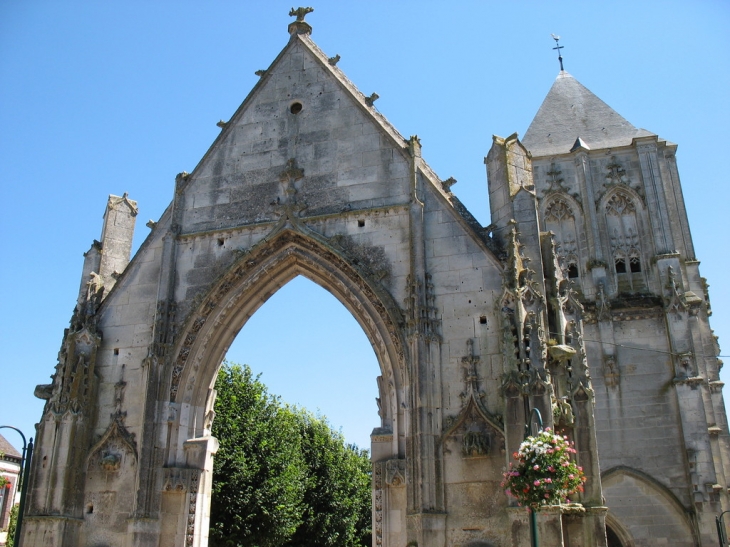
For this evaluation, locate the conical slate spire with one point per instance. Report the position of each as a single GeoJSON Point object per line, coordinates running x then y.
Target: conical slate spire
{"type": "Point", "coordinates": [571, 112]}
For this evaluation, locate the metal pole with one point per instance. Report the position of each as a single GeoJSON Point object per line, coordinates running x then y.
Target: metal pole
{"type": "Point", "coordinates": [721, 529]}
{"type": "Point", "coordinates": [534, 413]}
{"type": "Point", "coordinates": [18, 540]}
{"type": "Point", "coordinates": [22, 481]}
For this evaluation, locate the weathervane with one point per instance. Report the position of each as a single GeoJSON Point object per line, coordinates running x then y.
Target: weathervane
{"type": "Point", "coordinates": [558, 47]}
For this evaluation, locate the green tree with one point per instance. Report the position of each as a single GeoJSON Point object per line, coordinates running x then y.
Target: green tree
{"type": "Point", "coordinates": [282, 476]}
{"type": "Point", "coordinates": [337, 494]}
{"type": "Point", "coordinates": [259, 470]}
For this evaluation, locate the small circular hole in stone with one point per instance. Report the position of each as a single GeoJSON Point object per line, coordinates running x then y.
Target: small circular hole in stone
{"type": "Point", "coordinates": [295, 108]}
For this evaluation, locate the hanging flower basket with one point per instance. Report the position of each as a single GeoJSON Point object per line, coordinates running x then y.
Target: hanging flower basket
{"type": "Point", "coordinates": [543, 473]}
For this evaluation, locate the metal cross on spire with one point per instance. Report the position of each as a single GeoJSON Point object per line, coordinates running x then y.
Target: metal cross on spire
{"type": "Point", "coordinates": [558, 47]}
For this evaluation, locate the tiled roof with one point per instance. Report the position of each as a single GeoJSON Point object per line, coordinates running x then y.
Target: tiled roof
{"type": "Point", "coordinates": [569, 112]}
{"type": "Point", "coordinates": [8, 449]}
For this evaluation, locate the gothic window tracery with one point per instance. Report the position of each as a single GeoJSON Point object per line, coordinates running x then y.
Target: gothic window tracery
{"type": "Point", "coordinates": [623, 231]}
{"type": "Point", "coordinates": [560, 219]}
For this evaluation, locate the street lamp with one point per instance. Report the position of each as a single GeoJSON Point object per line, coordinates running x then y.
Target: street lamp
{"type": "Point", "coordinates": [534, 416]}
{"type": "Point", "coordinates": [22, 481]}
{"type": "Point", "coordinates": [721, 529]}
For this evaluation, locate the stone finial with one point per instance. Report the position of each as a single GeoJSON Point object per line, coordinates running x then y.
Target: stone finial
{"type": "Point", "coordinates": [300, 26]}
{"type": "Point", "coordinates": [370, 100]}
{"type": "Point", "coordinates": [414, 146]}
{"type": "Point", "coordinates": [222, 124]}
{"type": "Point", "coordinates": [334, 60]}
{"type": "Point", "coordinates": [260, 73]}
{"type": "Point", "coordinates": [448, 183]}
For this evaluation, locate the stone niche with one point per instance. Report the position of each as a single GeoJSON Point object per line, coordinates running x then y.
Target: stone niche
{"type": "Point", "coordinates": [111, 485]}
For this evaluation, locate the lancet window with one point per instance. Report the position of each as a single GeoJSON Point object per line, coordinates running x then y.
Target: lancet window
{"type": "Point", "coordinates": [560, 219]}
{"type": "Point", "coordinates": [622, 223]}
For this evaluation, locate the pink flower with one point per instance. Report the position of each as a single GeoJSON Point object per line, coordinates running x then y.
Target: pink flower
{"type": "Point", "coordinates": [536, 483]}
{"type": "Point", "coordinates": [548, 480]}
{"type": "Point", "coordinates": [536, 467]}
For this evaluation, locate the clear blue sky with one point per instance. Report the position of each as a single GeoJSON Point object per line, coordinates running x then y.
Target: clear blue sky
{"type": "Point", "coordinates": [112, 97]}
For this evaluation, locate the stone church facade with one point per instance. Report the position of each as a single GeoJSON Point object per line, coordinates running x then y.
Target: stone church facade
{"type": "Point", "coordinates": [582, 299]}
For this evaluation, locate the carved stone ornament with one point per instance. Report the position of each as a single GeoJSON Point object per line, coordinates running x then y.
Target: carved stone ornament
{"type": "Point", "coordinates": [370, 101]}
{"type": "Point", "coordinates": [422, 317]}
{"type": "Point", "coordinates": [560, 353]}
{"type": "Point", "coordinates": [192, 507]}
{"type": "Point", "coordinates": [477, 428]}
{"type": "Point", "coordinates": [178, 479]}
{"type": "Point", "coordinates": [289, 206]}
{"type": "Point", "coordinates": [475, 442]}
{"type": "Point", "coordinates": [615, 173]}
{"type": "Point", "coordinates": [371, 259]}
{"type": "Point", "coordinates": [395, 473]}
{"type": "Point", "coordinates": [113, 448]}
{"type": "Point", "coordinates": [300, 13]}
{"type": "Point", "coordinates": [300, 26]}
{"type": "Point", "coordinates": [378, 502]}
{"type": "Point", "coordinates": [603, 309]}
{"type": "Point", "coordinates": [563, 412]}
{"type": "Point", "coordinates": [610, 371]}
{"type": "Point", "coordinates": [257, 264]}
{"type": "Point", "coordinates": [674, 300]}
{"type": "Point", "coordinates": [554, 180]}
{"type": "Point", "coordinates": [447, 184]}
{"type": "Point", "coordinates": [521, 307]}
{"type": "Point", "coordinates": [74, 381]}
{"type": "Point", "coordinates": [110, 461]}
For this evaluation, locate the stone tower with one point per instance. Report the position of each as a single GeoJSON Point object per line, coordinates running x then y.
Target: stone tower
{"type": "Point", "coordinates": [610, 194]}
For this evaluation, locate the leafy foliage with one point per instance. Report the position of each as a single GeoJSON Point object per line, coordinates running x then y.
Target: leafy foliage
{"type": "Point", "coordinates": [282, 476]}
{"type": "Point", "coordinates": [259, 469]}
{"type": "Point", "coordinates": [12, 523]}
{"type": "Point", "coordinates": [337, 492]}
{"type": "Point", "coordinates": [544, 473]}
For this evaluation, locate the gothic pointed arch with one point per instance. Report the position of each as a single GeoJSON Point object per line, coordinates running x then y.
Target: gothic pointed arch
{"type": "Point", "coordinates": [115, 441]}
{"type": "Point", "coordinates": [479, 431]}
{"type": "Point", "coordinates": [668, 511]}
{"type": "Point", "coordinates": [623, 213]}
{"type": "Point", "coordinates": [616, 533]}
{"type": "Point", "coordinates": [287, 252]}
{"type": "Point", "coordinates": [562, 215]}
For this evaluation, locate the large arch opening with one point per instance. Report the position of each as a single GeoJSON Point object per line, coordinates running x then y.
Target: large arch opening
{"type": "Point", "coordinates": [210, 328]}
{"type": "Point", "coordinates": [306, 348]}
{"type": "Point", "coordinates": [312, 353]}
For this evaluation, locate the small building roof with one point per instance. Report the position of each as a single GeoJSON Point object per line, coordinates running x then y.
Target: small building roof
{"type": "Point", "coordinates": [571, 113]}
{"type": "Point", "coordinates": [7, 449]}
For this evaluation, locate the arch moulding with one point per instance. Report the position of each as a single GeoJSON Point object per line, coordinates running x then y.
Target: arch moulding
{"type": "Point", "coordinates": [213, 324]}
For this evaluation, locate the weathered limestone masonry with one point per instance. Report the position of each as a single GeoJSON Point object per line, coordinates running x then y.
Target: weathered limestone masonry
{"type": "Point", "coordinates": [582, 299]}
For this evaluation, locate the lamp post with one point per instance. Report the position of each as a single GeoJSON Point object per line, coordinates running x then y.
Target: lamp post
{"type": "Point", "coordinates": [22, 481]}
{"type": "Point", "coordinates": [721, 529]}
{"type": "Point", "coordinates": [534, 416]}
